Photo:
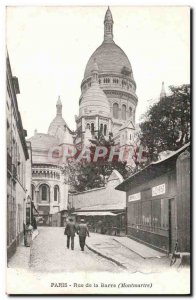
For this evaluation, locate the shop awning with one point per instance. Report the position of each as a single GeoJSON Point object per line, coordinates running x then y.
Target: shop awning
{"type": "Point", "coordinates": [94, 213]}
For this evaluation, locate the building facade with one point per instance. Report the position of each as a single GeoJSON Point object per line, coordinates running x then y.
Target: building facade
{"type": "Point", "coordinates": [17, 160]}
{"type": "Point", "coordinates": [107, 107]}
{"type": "Point", "coordinates": [158, 203]}
{"type": "Point", "coordinates": [105, 205]}
{"type": "Point", "coordinates": [49, 191]}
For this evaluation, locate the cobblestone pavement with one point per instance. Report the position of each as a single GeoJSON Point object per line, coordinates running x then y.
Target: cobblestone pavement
{"type": "Point", "coordinates": [49, 254]}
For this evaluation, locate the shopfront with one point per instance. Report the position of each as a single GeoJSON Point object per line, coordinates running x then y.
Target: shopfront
{"type": "Point", "coordinates": [153, 215]}
{"type": "Point", "coordinates": [151, 210]}
{"type": "Point", "coordinates": [104, 222]}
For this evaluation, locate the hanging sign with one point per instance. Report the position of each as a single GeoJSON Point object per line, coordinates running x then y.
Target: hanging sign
{"type": "Point", "coordinates": [134, 197]}
{"type": "Point", "coordinates": [158, 190]}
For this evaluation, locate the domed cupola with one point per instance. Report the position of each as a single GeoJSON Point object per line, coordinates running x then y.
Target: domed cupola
{"type": "Point", "coordinates": [94, 100]}
{"type": "Point", "coordinates": [110, 58]}
{"type": "Point", "coordinates": [58, 121]}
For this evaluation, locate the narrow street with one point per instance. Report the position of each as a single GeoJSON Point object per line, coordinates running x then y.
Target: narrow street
{"type": "Point", "coordinates": [50, 254]}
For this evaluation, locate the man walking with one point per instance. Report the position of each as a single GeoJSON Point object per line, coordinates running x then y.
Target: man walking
{"type": "Point", "coordinates": [70, 231]}
{"type": "Point", "coordinates": [82, 231]}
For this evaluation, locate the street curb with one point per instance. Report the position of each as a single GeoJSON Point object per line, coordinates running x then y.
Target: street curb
{"type": "Point", "coordinates": [37, 231]}
{"type": "Point", "coordinates": [150, 257]}
{"type": "Point", "coordinates": [30, 255]}
{"type": "Point", "coordinates": [106, 257]}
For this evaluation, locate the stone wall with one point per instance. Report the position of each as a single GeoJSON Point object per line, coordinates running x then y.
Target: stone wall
{"type": "Point", "coordinates": [106, 198]}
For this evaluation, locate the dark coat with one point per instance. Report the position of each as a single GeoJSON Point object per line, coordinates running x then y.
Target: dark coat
{"type": "Point", "coordinates": [82, 230]}
{"type": "Point", "coordinates": [70, 229]}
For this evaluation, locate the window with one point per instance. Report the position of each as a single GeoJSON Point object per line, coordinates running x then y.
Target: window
{"type": "Point", "coordinates": [115, 80]}
{"type": "Point", "coordinates": [88, 126]}
{"type": "Point", "coordinates": [92, 128]}
{"type": "Point", "coordinates": [123, 112]}
{"type": "Point", "coordinates": [56, 193]}
{"type": "Point", "coordinates": [115, 110]}
{"type": "Point", "coordinates": [44, 192]}
{"type": "Point", "coordinates": [101, 128]}
{"type": "Point", "coordinates": [130, 137]}
{"type": "Point", "coordinates": [105, 129]}
{"type": "Point", "coordinates": [106, 80]}
{"type": "Point", "coordinates": [146, 213]}
{"type": "Point", "coordinates": [165, 213]}
{"type": "Point", "coordinates": [130, 112]}
{"type": "Point", "coordinates": [32, 192]}
{"type": "Point", "coordinates": [156, 213]}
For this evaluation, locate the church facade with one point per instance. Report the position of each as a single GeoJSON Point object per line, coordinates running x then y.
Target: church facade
{"type": "Point", "coordinates": [108, 100]}
{"type": "Point", "coordinates": [49, 190]}
{"type": "Point", "coordinates": [107, 106]}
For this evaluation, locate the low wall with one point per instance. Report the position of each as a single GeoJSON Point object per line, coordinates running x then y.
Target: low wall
{"type": "Point", "coordinates": [106, 198]}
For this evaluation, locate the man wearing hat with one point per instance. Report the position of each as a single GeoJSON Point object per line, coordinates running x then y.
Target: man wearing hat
{"type": "Point", "coordinates": [70, 231]}
{"type": "Point", "coordinates": [82, 231]}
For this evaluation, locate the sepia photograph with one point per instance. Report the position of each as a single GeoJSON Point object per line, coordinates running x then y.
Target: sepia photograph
{"type": "Point", "coordinates": [98, 131]}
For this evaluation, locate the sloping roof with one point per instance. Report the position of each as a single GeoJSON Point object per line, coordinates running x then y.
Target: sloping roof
{"type": "Point", "coordinates": [128, 124]}
{"type": "Point", "coordinates": [151, 170]}
{"type": "Point", "coordinates": [94, 213]}
{"type": "Point", "coordinates": [103, 207]}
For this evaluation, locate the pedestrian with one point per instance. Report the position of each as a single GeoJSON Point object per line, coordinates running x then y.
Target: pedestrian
{"type": "Point", "coordinates": [70, 231]}
{"type": "Point", "coordinates": [82, 231]}
{"type": "Point", "coordinates": [28, 234]}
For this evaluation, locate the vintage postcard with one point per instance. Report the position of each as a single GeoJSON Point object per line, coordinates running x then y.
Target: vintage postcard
{"type": "Point", "coordinates": [98, 150]}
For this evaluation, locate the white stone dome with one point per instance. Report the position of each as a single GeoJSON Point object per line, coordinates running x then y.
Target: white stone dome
{"type": "Point", "coordinates": [94, 102]}
{"type": "Point", "coordinates": [110, 59]}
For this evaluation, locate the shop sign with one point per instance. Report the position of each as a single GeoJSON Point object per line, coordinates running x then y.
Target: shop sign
{"type": "Point", "coordinates": [134, 197]}
{"type": "Point", "coordinates": [158, 190]}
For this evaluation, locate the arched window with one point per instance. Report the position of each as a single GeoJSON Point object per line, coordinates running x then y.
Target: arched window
{"type": "Point", "coordinates": [88, 126]}
{"type": "Point", "coordinates": [105, 129]}
{"type": "Point", "coordinates": [32, 192]}
{"type": "Point", "coordinates": [115, 110]}
{"type": "Point", "coordinates": [123, 112]}
{"type": "Point", "coordinates": [101, 128]}
{"type": "Point", "coordinates": [92, 128]}
{"type": "Point", "coordinates": [56, 193]}
{"type": "Point", "coordinates": [130, 112]}
{"type": "Point", "coordinates": [44, 192]}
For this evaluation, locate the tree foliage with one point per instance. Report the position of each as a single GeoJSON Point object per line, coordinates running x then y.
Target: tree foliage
{"type": "Point", "coordinates": [166, 124]}
{"type": "Point", "coordinates": [84, 175]}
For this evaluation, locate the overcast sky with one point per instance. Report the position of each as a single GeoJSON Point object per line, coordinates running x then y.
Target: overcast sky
{"type": "Point", "coordinates": [49, 48]}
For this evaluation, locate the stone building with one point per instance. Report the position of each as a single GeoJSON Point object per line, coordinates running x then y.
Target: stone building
{"type": "Point", "coordinates": [103, 204]}
{"type": "Point", "coordinates": [17, 160]}
{"type": "Point", "coordinates": [107, 106]}
{"type": "Point", "coordinates": [108, 98]}
{"type": "Point", "coordinates": [49, 190]}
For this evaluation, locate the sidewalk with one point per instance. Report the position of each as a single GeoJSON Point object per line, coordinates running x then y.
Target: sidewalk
{"type": "Point", "coordinates": [21, 258]}
{"type": "Point", "coordinates": [130, 255]}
